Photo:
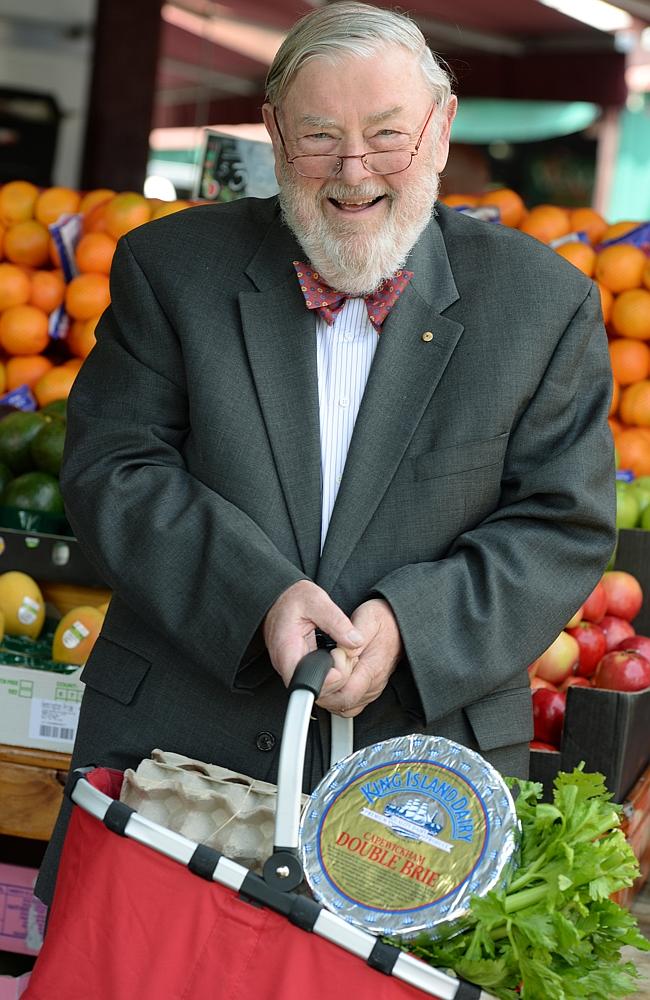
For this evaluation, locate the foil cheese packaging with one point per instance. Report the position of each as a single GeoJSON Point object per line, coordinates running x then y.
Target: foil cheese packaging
{"type": "Point", "coordinates": [397, 837]}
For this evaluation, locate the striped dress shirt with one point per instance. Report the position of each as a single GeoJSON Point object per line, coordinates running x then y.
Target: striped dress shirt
{"type": "Point", "coordinates": [344, 355]}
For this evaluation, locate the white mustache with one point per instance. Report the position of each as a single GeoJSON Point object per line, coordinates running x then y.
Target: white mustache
{"type": "Point", "coordinates": [343, 192]}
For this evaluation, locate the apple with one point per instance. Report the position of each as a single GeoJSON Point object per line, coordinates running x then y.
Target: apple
{"type": "Point", "coordinates": [539, 745]}
{"type": "Point", "coordinates": [615, 629]}
{"type": "Point", "coordinates": [559, 660]}
{"type": "Point", "coordinates": [575, 681]}
{"type": "Point", "coordinates": [593, 645]}
{"type": "Point", "coordinates": [574, 619]}
{"type": "Point", "coordinates": [627, 506]}
{"type": "Point", "coordinates": [645, 520]}
{"type": "Point", "coordinates": [624, 594]}
{"type": "Point", "coordinates": [548, 715]}
{"type": "Point", "coordinates": [642, 495]}
{"type": "Point", "coordinates": [539, 682]}
{"type": "Point", "coordinates": [595, 607]}
{"type": "Point", "coordinates": [639, 643]}
{"type": "Point", "coordinates": [622, 670]}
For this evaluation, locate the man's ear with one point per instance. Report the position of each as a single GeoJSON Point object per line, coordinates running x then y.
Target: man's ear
{"type": "Point", "coordinates": [278, 151]}
{"type": "Point", "coordinates": [447, 116]}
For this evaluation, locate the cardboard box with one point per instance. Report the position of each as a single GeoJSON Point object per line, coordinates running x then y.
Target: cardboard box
{"type": "Point", "coordinates": [46, 557]}
{"type": "Point", "coordinates": [22, 915]}
{"type": "Point", "coordinates": [39, 708]}
{"type": "Point", "coordinates": [608, 730]}
{"type": "Point", "coordinates": [13, 987]}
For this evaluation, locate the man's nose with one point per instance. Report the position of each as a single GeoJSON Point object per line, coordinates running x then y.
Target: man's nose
{"type": "Point", "coordinates": [352, 169]}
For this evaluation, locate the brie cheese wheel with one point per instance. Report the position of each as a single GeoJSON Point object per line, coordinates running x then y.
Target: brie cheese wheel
{"type": "Point", "coordinates": [399, 836]}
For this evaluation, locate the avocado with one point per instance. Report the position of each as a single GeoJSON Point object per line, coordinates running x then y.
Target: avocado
{"type": "Point", "coordinates": [37, 491]}
{"type": "Point", "coordinates": [47, 447]}
{"type": "Point", "coordinates": [57, 408]}
{"type": "Point", "coordinates": [17, 431]}
{"type": "Point", "coordinates": [5, 475]}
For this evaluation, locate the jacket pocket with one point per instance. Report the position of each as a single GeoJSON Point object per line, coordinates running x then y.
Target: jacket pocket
{"type": "Point", "coordinates": [115, 671]}
{"type": "Point", "coordinates": [462, 457]}
{"type": "Point", "coordinates": [502, 718]}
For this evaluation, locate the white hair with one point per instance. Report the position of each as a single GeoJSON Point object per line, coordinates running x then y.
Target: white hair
{"type": "Point", "coordinates": [359, 29]}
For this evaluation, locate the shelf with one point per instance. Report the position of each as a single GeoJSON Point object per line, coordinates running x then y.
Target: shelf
{"type": "Point", "coordinates": [31, 791]}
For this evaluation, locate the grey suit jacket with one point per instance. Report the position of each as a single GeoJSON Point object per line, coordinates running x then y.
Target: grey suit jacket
{"type": "Point", "coordinates": [477, 498]}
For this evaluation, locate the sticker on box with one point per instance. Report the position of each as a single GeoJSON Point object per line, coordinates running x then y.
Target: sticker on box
{"type": "Point", "coordinates": [54, 720]}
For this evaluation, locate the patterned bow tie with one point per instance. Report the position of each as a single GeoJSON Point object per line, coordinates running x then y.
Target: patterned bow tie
{"type": "Point", "coordinates": [329, 302]}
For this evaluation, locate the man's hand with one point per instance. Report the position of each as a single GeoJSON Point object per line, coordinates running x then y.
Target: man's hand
{"type": "Point", "coordinates": [289, 633]}
{"type": "Point", "coordinates": [369, 665]}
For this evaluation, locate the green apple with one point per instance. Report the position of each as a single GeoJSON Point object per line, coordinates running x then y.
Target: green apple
{"type": "Point", "coordinates": [645, 520]}
{"type": "Point", "coordinates": [643, 481]}
{"type": "Point", "coordinates": [627, 506]}
{"type": "Point", "coordinates": [642, 494]}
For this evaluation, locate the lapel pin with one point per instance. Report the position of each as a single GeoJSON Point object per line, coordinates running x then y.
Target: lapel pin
{"type": "Point", "coordinates": [426, 337]}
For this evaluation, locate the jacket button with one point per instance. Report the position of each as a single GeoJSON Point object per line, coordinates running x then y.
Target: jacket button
{"type": "Point", "coordinates": [265, 741]}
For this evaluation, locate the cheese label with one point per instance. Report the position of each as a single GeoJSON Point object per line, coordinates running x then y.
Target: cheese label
{"type": "Point", "coordinates": [397, 837]}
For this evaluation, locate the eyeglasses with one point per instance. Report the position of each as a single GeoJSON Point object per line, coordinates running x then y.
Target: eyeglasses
{"type": "Point", "coordinates": [386, 161]}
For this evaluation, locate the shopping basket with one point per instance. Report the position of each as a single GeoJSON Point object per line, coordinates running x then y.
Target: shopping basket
{"type": "Point", "coordinates": [143, 913]}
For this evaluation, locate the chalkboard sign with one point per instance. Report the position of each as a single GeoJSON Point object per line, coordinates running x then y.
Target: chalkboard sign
{"type": "Point", "coordinates": [233, 167]}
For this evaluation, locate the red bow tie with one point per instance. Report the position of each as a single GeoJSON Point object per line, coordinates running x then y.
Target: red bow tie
{"type": "Point", "coordinates": [329, 302]}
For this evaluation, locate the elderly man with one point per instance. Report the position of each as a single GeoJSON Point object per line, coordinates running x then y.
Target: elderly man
{"type": "Point", "coordinates": [344, 409]}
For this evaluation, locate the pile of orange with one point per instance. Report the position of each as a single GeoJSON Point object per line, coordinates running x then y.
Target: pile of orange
{"type": "Point", "coordinates": [32, 284]}
{"type": "Point", "coordinates": [622, 273]}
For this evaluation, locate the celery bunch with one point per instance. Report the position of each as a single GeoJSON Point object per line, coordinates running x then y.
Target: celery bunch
{"type": "Point", "coordinates": [553, 933]}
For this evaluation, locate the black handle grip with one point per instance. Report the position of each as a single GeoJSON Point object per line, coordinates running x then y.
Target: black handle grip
{"type": "Point", "coordinates": [312, 671]}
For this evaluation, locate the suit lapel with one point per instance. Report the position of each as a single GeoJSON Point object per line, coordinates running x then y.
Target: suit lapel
{"type": "Point", "coordinates": [280, 337]}
{"type": "Point", "coordinates": [403, 377]}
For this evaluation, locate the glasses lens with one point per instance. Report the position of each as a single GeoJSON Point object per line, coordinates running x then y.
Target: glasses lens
{"type": "Point", "coordinates": [388, 162]}
{"type": "Point", "coordinates": [316, 166]}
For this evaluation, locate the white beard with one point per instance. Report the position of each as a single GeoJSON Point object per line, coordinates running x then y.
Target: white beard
{"type": "Point", "coordinates": [354, 257]}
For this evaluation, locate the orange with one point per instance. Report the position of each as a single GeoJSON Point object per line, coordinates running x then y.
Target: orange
{"type": "Point", "coordinates": [630, 360]}
{"type": "Point", "coordinates": [81, 336]}
{"type": "Point", "coordinates": [169, 207]}
{"type": "Point", "coordinates": [87, 295]}
{"type": "Point", "coordinates": [55, 260]}
{"type": "Point", "coordinates": [94, 253]}
{"type": "Point", "coordinates": [26, 369]}
{"type": "Point", "coordinates": [73, 363]}
{"type": "Point", "coordinates": [54, 202]}
{"type": "Point", "coordinates": [620, 267]}
{"type": "Point", "coordinates": [615, 426]}
{"type": "Point", "coordinates": [48, 290]}
{"type": "Point", "coordinates": [510, 205]}
{"type": "Point", "coordinates": [616, 397]}
{"type": "Point", "coordinates": [15, 286]}
{"type": "Point", "coordinates": [17, 200]}
{"type": "Point", "coordinates": [94, 221]}
{"type": "Point", "coordinates": [94, 198]}
{"type": "Point", "coordinates": [579, 254]}
{"type": "Point", "coordinates": [3, 378]}
{"type": "Point", "coordinates": [618, 229]}
{"type": "Point", "coordinates": [124, 212]}
{"type": "Point", "coordinates": [588, 221]}
{"type": "Point", "coordinates": [631, 314]}
{"type": "Point", "coordinates": [23, 330]}
{"type": "Point", "coordinates": [54, 384]}
{"type": "Point", "coordinates": [635, 404]}
{"type": "Point", "coordinates": [633, 447]}
{"type": "Point", "coordinates": [645, 277]}
{"type": "Point", "coordinates": [458, 200]}
{"type": "Point", "coordinates": [546, 223]}
{"type": "Point", "coordinates": [2, 240]}
{"type": "Point", "coordinates": [27, 243]}
{"type": "Point", "coordinates": [606, 302]}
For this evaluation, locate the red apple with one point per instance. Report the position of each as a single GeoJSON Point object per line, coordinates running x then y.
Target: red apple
{"type": "Point", "coordinates": [574, 681]}
{"type": "Point", "coordinates": [539, 682]}
{"type": "Point", "coordinates": [574, 619]}
{"type": "Point", "coordinates": [558, 661]}
{"type": "Point", "coordinates": [639, 643]}
{"type": "Point", "coordinates": [623, 671]}
{"type": "Point", "coordinates": [615, 629]}
{"type": "Point", "coordinates": [595, 607]}
{"type": "Point", "coordinates": [548, 715]}
{"type": "Point", "coordinates": [593, 646]}
{"type": "Point", "coordinates": [539, 745]}
{"type": "Point", "coordinates": [624, 594]}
